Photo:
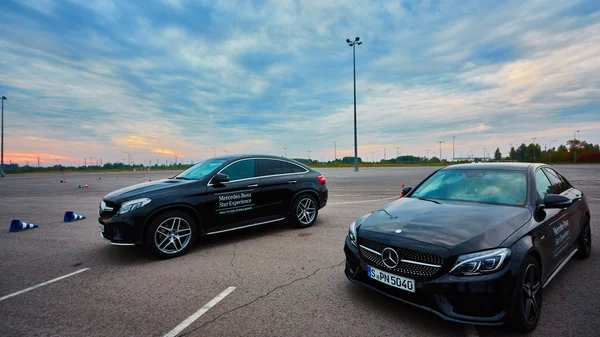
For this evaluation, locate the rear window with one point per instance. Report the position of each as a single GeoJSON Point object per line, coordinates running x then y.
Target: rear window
{"type": "Point", "coordinates": [486, 186]}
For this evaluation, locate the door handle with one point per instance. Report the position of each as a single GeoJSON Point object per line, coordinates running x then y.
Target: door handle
{"type": "Point", "coordinates": [292, 182]}
{"type": "Point", "coordinates": [253, 185]}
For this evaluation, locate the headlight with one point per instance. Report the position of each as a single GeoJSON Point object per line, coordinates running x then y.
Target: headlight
{"type": "Point", "coordinates": [132, 205]}
{"type": "Point", "coordinates": [352, 234]}
{"type": "Point", "coordinates": [479, 263]}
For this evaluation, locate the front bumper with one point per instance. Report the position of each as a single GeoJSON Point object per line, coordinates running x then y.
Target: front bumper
{"type": "Point", "coordinates": [479, 300]}
{"type": "Point", "coordinates": [123, 230]}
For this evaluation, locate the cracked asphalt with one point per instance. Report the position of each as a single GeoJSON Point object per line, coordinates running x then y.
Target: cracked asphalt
{"type": "Point", "coordinates": [289, 282]}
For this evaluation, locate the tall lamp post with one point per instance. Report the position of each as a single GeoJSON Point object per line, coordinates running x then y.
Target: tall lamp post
{"type": "Point", "coordinates": [285, 149]}
{"type": "Point", "coordinates": [334, 153]}
{"type": "Point", "coordinates": [353, 45]}
{"type": "Point", "coordinates": [2, 156]}
{"type": "Point", "coordinates": [453, 148]}
{"type": "Point", "coordinates": [534, 138]}
{"type": "Point", "coordinates": [550, 147]}
{"type": "Point", "coordinates": [574, 145]}
{"type": "Point", "coordinates": [440, 141]}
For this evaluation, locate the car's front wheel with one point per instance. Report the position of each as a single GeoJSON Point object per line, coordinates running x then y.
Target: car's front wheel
{"type": "Point", "coordinates": [527, 303]}
{"type": "Point", "coordinates": [304, 211]}
{"type": "Point", "coordinates": [171, 234]}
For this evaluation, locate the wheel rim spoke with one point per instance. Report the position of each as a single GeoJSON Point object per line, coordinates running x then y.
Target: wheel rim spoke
{"type": "Point", "coordinates": [174, 239]}
{"type": "Point", "coordinates": [306, 211]}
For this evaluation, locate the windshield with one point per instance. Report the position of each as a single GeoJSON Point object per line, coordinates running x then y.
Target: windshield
{"type": "Point", "coordinates": [201, 170]}
{"type": "Point", "coordinates": [487, 186]}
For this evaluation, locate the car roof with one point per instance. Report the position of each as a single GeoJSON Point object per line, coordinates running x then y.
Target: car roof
{"type": "Point", "coordinates": [232, 157]}
{"type": "Point", "coordinates": [511, 166]}
{"type": "Point", "coordinates": [242, 156]}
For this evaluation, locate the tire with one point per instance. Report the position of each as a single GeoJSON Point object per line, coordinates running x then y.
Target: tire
{"type": "Point", "coordinates": [304, 211]}
{"type": "Point", "coordinates": [585, 240]}
{"type": "Point", "coordinates": [527, 297]}
{"type": "Point", "coordinates": [170, 234]}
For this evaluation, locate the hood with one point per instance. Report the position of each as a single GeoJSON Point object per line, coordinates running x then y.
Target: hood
{"type": "Point", "coordinates": [458, 226]}
{"type": "Point", "coordinates": [148, 189]}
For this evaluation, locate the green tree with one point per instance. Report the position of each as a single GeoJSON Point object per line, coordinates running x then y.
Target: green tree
{"type": "Point", "coordinates": [497, 154]}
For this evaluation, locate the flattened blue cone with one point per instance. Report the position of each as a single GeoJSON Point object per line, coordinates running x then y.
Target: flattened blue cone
{"type": "Point", "coordinates": [17, 225]}
{"type": "Point", "coordinates": [71, 216]}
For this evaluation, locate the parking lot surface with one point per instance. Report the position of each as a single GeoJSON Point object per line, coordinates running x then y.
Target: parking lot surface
{"type": "Point", "coordinates": [288, 282]}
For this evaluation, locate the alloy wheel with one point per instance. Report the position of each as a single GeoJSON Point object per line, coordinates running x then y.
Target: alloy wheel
{"type": "Point", "coordinates": [531, 293]}
{"type": "Point", "coordinates": [172, 235]}
{"type": "Point", "coordinates": [306, 211]}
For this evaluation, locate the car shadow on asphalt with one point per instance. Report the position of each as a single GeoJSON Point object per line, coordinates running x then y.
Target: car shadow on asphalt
{"type": "Point", "coordinates": [379, 305]}
{"type": "Point", "coordinates": [128, 256]}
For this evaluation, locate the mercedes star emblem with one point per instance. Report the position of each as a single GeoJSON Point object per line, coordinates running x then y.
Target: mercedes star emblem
{"type": "Point", "coordinates": [390, 258]}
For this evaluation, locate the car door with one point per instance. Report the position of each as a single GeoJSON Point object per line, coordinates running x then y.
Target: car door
{"type": "Point", "coordinates": [571, 226]}
{"type": "Point", "coordinates": [547, 232]}
{"type": "Point", "coordinates": [233, 203]}
{"type": "Point", "coordinates": [278, 186]}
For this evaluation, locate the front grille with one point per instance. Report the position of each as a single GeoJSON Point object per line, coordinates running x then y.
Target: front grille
{"type": "Point", "coordinates": [404, 267]}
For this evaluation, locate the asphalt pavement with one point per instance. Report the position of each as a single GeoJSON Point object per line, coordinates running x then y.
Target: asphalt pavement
{"type": "Point", "coordinates": [288, 282]}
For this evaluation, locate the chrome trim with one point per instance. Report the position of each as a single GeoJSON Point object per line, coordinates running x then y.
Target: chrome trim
{"type": "Point", "coordinates": [258, 177]}
{"type": "Point", "coordinates": [370, 250]}
{"type": "Point", "coordinates": [236, 191]}
{"type": "Point", "coordinates": [421, 263]}
{"type": "Point", "coordinates": [246, 226]}
{"type": "Point", "coordinates": [560, 266]}
{"type": "Point", "coordinates": [116, 243]}
{"type": "Point", "coordinates": [122, 244]}
{"type": "Point", "coordinates": [253, 185]}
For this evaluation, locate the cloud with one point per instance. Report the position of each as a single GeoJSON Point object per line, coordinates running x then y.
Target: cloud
{"type": "Point", "coordinates": [185, 76]}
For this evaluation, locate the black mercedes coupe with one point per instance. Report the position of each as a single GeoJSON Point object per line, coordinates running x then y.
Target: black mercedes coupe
{"type": "Point", "coordinates": [473, 243]}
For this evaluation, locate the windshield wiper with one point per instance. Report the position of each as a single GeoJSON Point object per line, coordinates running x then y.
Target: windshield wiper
{"type": "Point", "coordinates": [183, 178]}
{"type": "Point", "coordinates": [421, 198]}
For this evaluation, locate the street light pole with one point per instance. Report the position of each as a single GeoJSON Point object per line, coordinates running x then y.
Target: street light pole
{"type": "Point", "coordinates": [453, 148]}
{"type": "Point", "coordinates": [353, 45]}
{"type": "Point", "coordinates": [574, 147]}
{"type": "Point", "coordinates": [550, 147]}
{"type": "Point", "coordinates": [334, 153]}
{"type": "Point", "coordinates": [285, 148]}
{"type": "Point", "coordinates": [2, 155]}
{"type": "Point", "coordinates": [440, 141]}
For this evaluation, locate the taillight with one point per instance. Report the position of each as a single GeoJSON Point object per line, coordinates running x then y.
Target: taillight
{"type": "Point", "coordinates": [321, 179]}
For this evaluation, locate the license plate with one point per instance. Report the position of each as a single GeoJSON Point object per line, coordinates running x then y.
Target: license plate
{"type": "Point", "coordinates": [101, 228]}
{"type": "Point", "coordinates": [391, 279]}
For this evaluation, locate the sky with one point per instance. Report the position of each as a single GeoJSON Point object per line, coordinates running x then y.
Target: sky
{"type": "Point", "coordinates": [188, 78]}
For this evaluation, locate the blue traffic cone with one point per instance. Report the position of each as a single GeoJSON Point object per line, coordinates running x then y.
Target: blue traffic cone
{"type": "Point", "coordinates": [70, 216]}
{"type": "Point", "coordinates": [17, 225]}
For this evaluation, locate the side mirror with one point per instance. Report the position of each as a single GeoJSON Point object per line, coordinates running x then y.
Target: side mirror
{"type": "Point", "coordinates": [220, 178]}
{"type": "Point", "coordinates": [556, 201]}
{"type": "Point", "coordinates": [406, 190]}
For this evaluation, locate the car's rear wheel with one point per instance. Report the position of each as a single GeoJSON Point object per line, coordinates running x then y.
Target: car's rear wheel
{"type": "Point", "coordinates": [171, 234]}
{"type": "Point", "coordinates": [585, 240]}
{"type": "Point", "coordinates": [527, 303]}
{"type": "Point", "coordinates": [304, 211]}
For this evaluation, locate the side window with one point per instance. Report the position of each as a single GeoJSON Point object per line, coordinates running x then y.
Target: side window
{"type": "Point", "coordinates": [542, 184]}
{"type": "Point", "coordinates": [242, 169]}
{"type": "Point", "coordinates": [558, 185]}
{"type": "Point", "coordinates": [297, 169]}
{"type": "Point", "coordinates": [267, 167]}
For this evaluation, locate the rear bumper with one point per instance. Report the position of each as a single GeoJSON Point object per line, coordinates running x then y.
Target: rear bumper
{"type": "Point", "coordinates": [478, 300]}
{"type": "Point", "coordinates": [323, 195]}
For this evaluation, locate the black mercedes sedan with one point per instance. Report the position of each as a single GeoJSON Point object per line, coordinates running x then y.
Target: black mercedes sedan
{"type": "Point", "coordinates": [217, 195]}
{"type": "Point", "coordinates": [473, 243]}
